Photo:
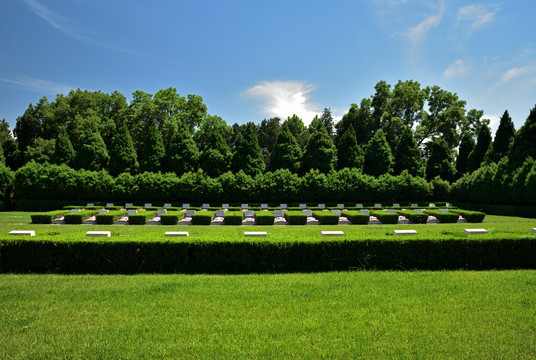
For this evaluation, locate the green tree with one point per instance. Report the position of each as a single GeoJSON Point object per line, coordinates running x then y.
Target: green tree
{"type": "Point", "coordinates": [503, 139]}
{"type": "Point", "coordinates": [63, 150]}
{"type": "Point", "coordinates": [29, 126]}
{"type": "Point", "coordinates": [91, 153]}
{"type": "Point", "coordinates": [524, 144]}
{"type": "Point", "coordinates": [2, 158]}
{"type": "Point", "coordinates": [183, 155]}
{"type": "Point", "coordinates": [349, 153]}
{"type": "Point", "coordinates": [123, 157]}
{"type": "Point", "coordinates": [40, 150]}
{"type": "Point", "coordinates": [378, 156]}
{"type": "Point", "coordinates": [248, 156]}
{"type": "Point", "coordinates": [360, 118]}
{"type": "Point", "coordinates": [476, 157]}
{"type": "Point", "coordinates": [286, 153]}
{"type": "Point", "coordinates": [215, 157]}
{"type": "Point", "coordinates": [466, 146]}
{"type": "Point", "coordinates": [320, 152]}
{"type": "Point", "coordinates": [298, 129]}
{"type": "Point", "coordinates": [440, 162]}
{"type": "Point", "coordinates": [153, 150]}
{"type": "Point", "coordinates": [408, 155]}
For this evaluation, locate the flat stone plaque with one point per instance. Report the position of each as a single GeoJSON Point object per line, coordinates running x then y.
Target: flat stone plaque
{"type": "Point", "coordinates": [167, 206]}
{"type": "Point", "coordinates": [132, 212]}
{"type": "Point", "coordinates": [190, 212]}
{"type": "Point", "coordinates": [332, 233]}
{"type": "Point", "coordinates": [206, 206]}
{"type": "Point", "coordinates": [249, 213]}
{"type": "Point", "coordinates": [391, 211]}
{"type": "Point", "coordinates": [22, 232]}
{"type": "Point", "coordinates": [278, 213]}
{"type": "Point", "coordinates": [160, 212]}
{"type": "Point", "coordinates": [103, 211]}
{"type": "Point", "coordinates": [405, 232]}
{"type": "Point", "coordinates": [534, 230]}
{"type": "Point", "coordinates": [219, 213]}
{"type": "Point", "coordinates": [185, 206]}
{"type": "Point", "coordinates": [109, 204]}
{"type": "Point", "coordinates": [224, 206]}
{"type": "Point", "coordinates": [264, 206]}
{"type": "Point", "coordinates": [414, 205]}
{"type": "Point", "coordinates": [75, 210]}
{"type": "Point", "coordinates": [283, 206]}
{"type": "Point", "coordinates": [307, 212]}
{"type": "Point", "coordinates": [475, 231]}
{"type": "Point", "coordinates": [377, 205]}
{"type": "Point", "coordinates": [322, 206]}
{"type": "Point", "coordinates": [256, 233]}
{"type": "Point", "coordinates": [449, 205]}
{"type": "Point", "coordinates": [98, 234]}
{"type": "Point", "coordinates": [358, 205]}
{"type": "Point", "coordinates": [364, 211]}
{"type": "Point", "coordinates": [177, 233]}
{"type": "Point", "coordinates": [303, 206]}
{"type": "Point", "coordinates": [396, 205]}
{"type": "Point", "coordinates": [129, 205]}
{"type": "Point", "coordinates": [445, 210]}
{"type": "Point", "coordinates": [338, 212]}
{"type": "Point", "coordinates": [244, 206]}
{"type": "Point", "coordinates": [90, 204]}
{"type": "Point", "coordinates": [147, 205]}
{"type": "Point", "coordinates": [431, 205]}
{"type": "Point", "coordinates": [418, 210]}
{"type": "Point", "coordinates": [340, 205]}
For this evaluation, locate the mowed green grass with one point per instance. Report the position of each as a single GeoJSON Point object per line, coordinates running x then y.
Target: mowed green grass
{"type": "Point", "coordinates": [498, 227]}
{"type": "Point", "coordinates": [347, 315]}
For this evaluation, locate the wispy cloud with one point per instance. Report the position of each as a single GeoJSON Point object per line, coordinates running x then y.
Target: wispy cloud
{"type": "Point", "coordinates": [511, 74]}
{"type": "Point", "coordinates": [416, 33]}
{"type": "Point", "coordinates": [37, 85]}
{"type": "Point", "coordinates": [477, 14]}
{"type": "Point", "coordinates": [457, 68]}
{"type": "Point", "coordinates": [285, 98]}
{"type": "Point", "coordinates": [68, 27]}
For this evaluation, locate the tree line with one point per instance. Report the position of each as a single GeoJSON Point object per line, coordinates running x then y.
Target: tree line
{"type": "Point", "coordinates": [425, 131]}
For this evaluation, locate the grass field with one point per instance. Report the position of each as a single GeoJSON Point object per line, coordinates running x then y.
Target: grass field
{"type": "Point", "coordinates": [340, 315]}
{"type": "Point", "coordinates": [498, 226]}
{"type": "Point", "coordinates": [469, 315]}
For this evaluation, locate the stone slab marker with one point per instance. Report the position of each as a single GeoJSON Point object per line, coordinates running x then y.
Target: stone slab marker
{"type": "Point", "coordinates": [404, 232]}
{"type": "Point", "coordinates": [177, 233]}
{"type": "Point", "coordinates": [22, 232]}
{"type": "Point", "coordinates": [476, 231]}
{"type": "Point", "coordinates": [534, 230]}
{"type": "Point", "coordinates": [98, 234]}
{"type": "Point", "coordinates": [256, 233]}
{"type": "Point", "coordinates": [332, 233]}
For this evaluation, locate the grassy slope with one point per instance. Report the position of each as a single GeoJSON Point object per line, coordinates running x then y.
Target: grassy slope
{"type": "Point", "coordinates": [498, 226]}
{"type": "Point", "coordinates": [477, 315]}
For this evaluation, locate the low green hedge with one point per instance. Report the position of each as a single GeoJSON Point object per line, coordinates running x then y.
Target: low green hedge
{"type": "Point", "coordinates": [264, 218]}
{"type": "Point", "coordinates": [233, 217]}
{"type": "Point", "coordinates": [202, 218]}
{"type": "Point", "coordinates": [385, 217]}
{"type": "Point", "coordinates": [113, 207]}
{"type": "Point", "coordinates": [356, 217]}
{"type": "Point", "coordinates": [172, 217]}
{"type": "Point", "coordinates": [295, 217]}
{"type": "Point", "coordinates": [110, 217]}
{"type": "Point", "coordinates": [471, 216]}
{"type": "Point", "coordinates": [413, 216]}
{"type": "Point", "coordinates": [326, 217]}
{"type": "Point", "coordinates": [444, 217]}
{"type": "Point", "coordinates": [141, 217]}
{"type": "Point", "coordinates": [48, 217]}
{"type": "Point", "coordinates": [79, 217]}
{"type": "Point", "coordinates": [219, 257]}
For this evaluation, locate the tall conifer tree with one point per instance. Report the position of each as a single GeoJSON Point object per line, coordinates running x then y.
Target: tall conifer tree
{"type": "Point", "coordinates": [63, 150]}
{"type": "Point", "coordinates": [153, 150]}
{"type": "Point", "coordinates": [91, 153]}
{"type": "Point", "coordinates": [476, 157]}
{"type": "Point", "coordinates": [320, 152]}
{"type": "Point", "coordinates": [349, 153]}
{"type": "Point", "coordinates": [123, 157]}
{"type": "Point", "coordinates": [216, 156]}
{"type": "Point", "coordinates": [466, 146]}
{"type": "Point", "coordinates": [524, 141]}
{"type": "Point", "coordinates": [441, 161]}
{"type": "Point", "coordinates": [286, 153]}
{"type": "Point", "coordinates": [408, 155]}
{"type": "Point", "coordinates": [503, 139]}
{"type": "Point", "coordinates": [248, 156]}
{"type": "Point", "coordinates": [378, 156]}
{"type": "Point", "coordinates": [183, 155]}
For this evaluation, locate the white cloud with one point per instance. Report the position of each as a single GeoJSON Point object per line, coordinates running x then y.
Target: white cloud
{"type": "Point", "coordinates": [494, 121]}
{"type": "Point", "coordinates": [457, 68]}
{"type": "Point", "coordinates": [477, 14]}
{"type": "Point", "coordinates": [37, 85]}
{"type": "Point", "coordinates": [512, 73]}
{"type": "Point", "coordinates": [416, 33]}
{"type": "Point", "coordinates": [285, 98]}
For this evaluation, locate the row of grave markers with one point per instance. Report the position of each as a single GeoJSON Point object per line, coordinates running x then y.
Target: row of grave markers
{"type": "Point", "coordinates": [265, 206]}
{"type": "Point", "coordinates": [250, 233]}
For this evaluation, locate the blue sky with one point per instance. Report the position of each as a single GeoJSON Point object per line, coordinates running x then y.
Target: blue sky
{"type": "Point", "coordinates": [251, 60]}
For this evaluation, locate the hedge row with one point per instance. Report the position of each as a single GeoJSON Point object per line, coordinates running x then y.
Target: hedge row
{"type": "Point", "coordinates": [104, 257]}
{"type": "Point", "coordinates": [59, 182]}
{"type": "Point", "coordinates": [110, 217]}
{"type": "Point", "coordinates": [48, 217]}
{"type": "Point", "coordinates": [79, 217]}
{"type": "Point", "coordinates": [172, 217]}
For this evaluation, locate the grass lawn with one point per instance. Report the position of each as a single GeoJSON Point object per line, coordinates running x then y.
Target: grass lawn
{"type": "Point", "coordinates": [498, 226]}
{"type": "Point", "coordinates": [469, 315]}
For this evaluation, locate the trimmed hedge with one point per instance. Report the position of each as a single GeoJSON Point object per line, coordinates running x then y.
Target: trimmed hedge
{"type": "Point", "coordinates": [216, 257]}
{"type": "Point", "coordinates": [48, 217]}
{"type": "Point", "coordinates": [326, 217]}
{"type": "Point", "coordinates": [233, 217]}
{"type": "Point", "coordinates": [356, 217]}
{"type": "Point", "coordinates": [444, 217]}
{"type": "Point", "coordinates": [202, 218]}
{"type": "Point", "coordinates": [264, 218]}
{"type": "Point", "coordinates": [113, 207]}
{"type": "Point", "coordinates": [141, 217]}
{"type": "Point", "coordinates": [413, 216]}
{"type": "Point", "coordinates": [471, 216]}
{"type": "Point", "coordinates": [295, 217]}
{"type": "Point", "coordinates": [79, 217]}
{"type": "Point", "coordinates": [385, 217]}
{"type": "Point", "coordinates": [172, 217]}
{"type": "Point", "coordinates": [110, 217]}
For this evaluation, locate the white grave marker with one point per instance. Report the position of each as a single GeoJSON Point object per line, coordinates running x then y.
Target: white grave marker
{"type": "Point", "coordinates": [332, 233]}
{"type": "Point", "coordinates": [404, 232]}
{"type": "Point", "coordinates": [476, 231]}
{"type": "Point", "coordinates": [22, 232]}
{"type": "Point", "coordinates": [98, 234]}
{"type": "Point", "coordinates": [256, 233]}
{"type": "Point", "coordinates": [177, 233]}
